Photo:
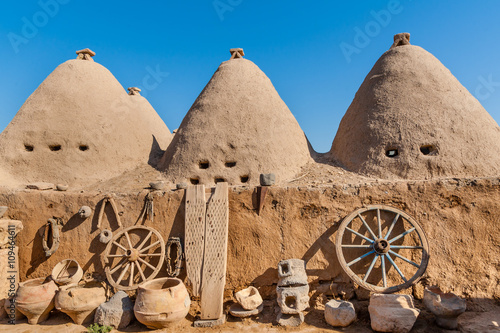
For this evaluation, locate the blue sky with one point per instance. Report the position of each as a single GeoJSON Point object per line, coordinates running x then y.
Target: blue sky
{"type": "Point", "coordinates": [316, 53]}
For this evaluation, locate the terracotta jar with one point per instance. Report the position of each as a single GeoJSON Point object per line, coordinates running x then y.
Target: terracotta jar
{"type": "Point", "coordinates": [67, 272]}
{"type": "Point", "coordinates": [161, 302]}
{"type": "Point", "coordinates": [35, 299]}
{"type": "Point", "coordinates": [80, 302]}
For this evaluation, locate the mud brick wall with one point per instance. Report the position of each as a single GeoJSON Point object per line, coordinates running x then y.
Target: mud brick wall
{"type": "Point", "coordinates": [461, 218]}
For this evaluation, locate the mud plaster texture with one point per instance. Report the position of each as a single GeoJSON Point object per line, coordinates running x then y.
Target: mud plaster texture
{"type": "Point", "coordinates": [459, 216]}
{"type": "Point", "coordinates": [237, 129]}
{"type": "Point", "coordinates": [80, 127]}
{"type": "Point", "coordinates": [410, 100]}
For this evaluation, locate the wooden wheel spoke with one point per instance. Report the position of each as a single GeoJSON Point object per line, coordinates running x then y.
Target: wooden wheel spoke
{"type": "Point", "coordinates": [379, 224]}
{"type": "Point", "coordinates": [120, 264]}
{"type": "Point", "coordinates": [360, 258]}
{"type": "Point", "coordinates": [362, 246]}
{"type": "Point", "coordinates": [140, 271]}
{"type": "Point", "coordinates": [116, 255]}
{"type": "Point", "coordinates": [150, 246]}
{"type": "Point", "coordinates": [150, 255]}
{"type": "Point", "coordinates": [131, 278]}
{"type": "Point", "coordinates": [146, 263]}
{"type": "Point", "coordinates": [360, 235]}
{"type": "Point", "coordinates": [403, 258]}
{"type": "Point", "coordinates": [120, 246]}
{"type": "Point", "coordinates": [406, 247]}
{"type": "Point", "coordinates": [120, 278]}
{"type": "Point", "coordinates": [382, 265]}
{"type": "Point", "coordinates": [366, 226]}
{"type": "Point", "coordinates": [145, 240]}
{"type": "Point", "coordinates": [402, 235]}
{"type": "Point", "coordinates": [396, 267]}
{"type": "Point", "coordinates": [391, 227]}
{"type": "Point", "coordinates": [128, 240]}
{"type": "Point", "coordinates": [370, 268]}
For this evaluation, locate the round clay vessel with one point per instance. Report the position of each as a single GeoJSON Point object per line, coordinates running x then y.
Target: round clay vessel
{"type": "Point", "coordinates": [67, 272]}
{"type": "Point", "coordinates": [161, 302]}
{"type": "Point", "coordinates": [35, 299]}
{"type": "Point", "coordinates": [8, 311]}
{"type": "Point", "coordinates": [80, 302]}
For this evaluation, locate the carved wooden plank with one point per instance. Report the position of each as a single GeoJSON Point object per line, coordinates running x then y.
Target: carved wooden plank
{"type": "Point", "coordinates": [214, 265]}
{"type": "Point", "coordinates": [195, 234]}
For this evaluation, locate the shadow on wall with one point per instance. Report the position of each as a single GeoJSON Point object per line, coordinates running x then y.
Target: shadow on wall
{"type": "Point", "coordinates": [155, 153]}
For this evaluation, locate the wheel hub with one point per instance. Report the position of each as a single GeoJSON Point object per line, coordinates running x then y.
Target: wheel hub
{"type": "Point", "coordinates": [381, 246]}
{"type": "Point", "coordinates": [133, 255]}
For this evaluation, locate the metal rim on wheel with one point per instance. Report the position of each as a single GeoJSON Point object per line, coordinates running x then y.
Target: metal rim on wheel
{"type": "Point", "coordinates": [131, 258]}
{"type": "Point", "coordinates": [372, 239]}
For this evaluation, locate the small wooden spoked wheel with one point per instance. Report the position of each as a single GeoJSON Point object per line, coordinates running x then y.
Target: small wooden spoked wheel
{"type": "Point", "coordinates": [133, 256]}
{"type": "Point", "coordinates": [372, 240]}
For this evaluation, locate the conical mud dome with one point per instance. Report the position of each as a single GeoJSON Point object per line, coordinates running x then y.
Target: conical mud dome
{"type": "Point", "coordinates": [237, 128]}
{"type": "Point", "coordinates": [81, 126]}
{"type": "Point", "coordinates": [412, 119]}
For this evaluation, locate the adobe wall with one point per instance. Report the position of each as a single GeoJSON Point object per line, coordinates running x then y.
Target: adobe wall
{"type": "Point", "coordinates": [461, 218]}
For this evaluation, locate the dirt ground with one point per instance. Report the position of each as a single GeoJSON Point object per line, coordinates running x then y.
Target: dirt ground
{"type": "Point", "coordinates": [469, 322]}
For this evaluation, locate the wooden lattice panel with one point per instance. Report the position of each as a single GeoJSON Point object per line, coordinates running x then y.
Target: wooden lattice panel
{"type": "Point", "coordinates": [195, 234]}
{"type": "Point", "coordinates": [214, 266]}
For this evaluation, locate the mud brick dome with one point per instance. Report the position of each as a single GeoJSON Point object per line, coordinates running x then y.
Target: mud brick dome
{"type": "Point", "coordinates": [81, 126]}
{"type": "Point", "coordinates": [237, 128]}
{"type": "Point", "coordinates": [412, 119]}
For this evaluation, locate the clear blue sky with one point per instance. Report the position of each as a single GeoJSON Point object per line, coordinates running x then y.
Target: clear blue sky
{"type": "Point", "coordinates": [296, 43]}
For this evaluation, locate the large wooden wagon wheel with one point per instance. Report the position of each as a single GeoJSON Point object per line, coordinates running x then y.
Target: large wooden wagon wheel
{"type": "Point", "coordinates": [372, 240]}
{"type": "Point", "coordinates": [133, 256]}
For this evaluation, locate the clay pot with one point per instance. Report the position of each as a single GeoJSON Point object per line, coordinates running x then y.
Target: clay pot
{"type": "Point", "coordinates": [35, 299]}
{"type": "Point", "coordinates": [7, 310]}
{"type": "Point", "coordinates": [67, 272]}
{"type": "Point", "coordinates": [80, 302]}
{"type": "Point", "coordinates": [445, 306]}
{"type": "Point", "coordinates": [161, 302]}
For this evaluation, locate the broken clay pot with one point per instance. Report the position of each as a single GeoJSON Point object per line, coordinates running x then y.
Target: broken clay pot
{"type": "Point", "coordinates": [249, 298]}
{"type": "Point", "coordinates": [67, 272]}
{"type": "Point", "coordinates": [80, 302]}
{"type": "Point", "coordinates": [161, 302]}
{"type": "Point", "coordinates": [445, 306]}
{"type": "Point", "coordinates": [35, 299]}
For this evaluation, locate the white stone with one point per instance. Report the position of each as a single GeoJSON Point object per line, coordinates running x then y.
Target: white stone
{"type": "Point", "coordinates": [339, 313]}
{"type": "Point", "coordinates": [249, 298]}
{"type": "Point", "coordinates": [392, 313]}
{"type": "Point", "coordinates": [117, 312]}
{"type": "Point", "coordinates": [293, 300]}
{"type": "Point", "coordinates": [237, 310]}
{"type": "Point", "coordinates": [292, 320]}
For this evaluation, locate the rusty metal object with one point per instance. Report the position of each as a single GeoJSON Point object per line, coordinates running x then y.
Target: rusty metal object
{"type": "Point", "coordinates": [148, 209]}
{"type": "Point", "coordinates": [387, 235]}
{"type": "Point", "coordinates": [174, 266]}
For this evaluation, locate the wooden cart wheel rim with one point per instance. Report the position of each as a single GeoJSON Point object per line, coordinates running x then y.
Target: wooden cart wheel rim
{"type": "Point", "coordinates": [355, 277]}
{"type": "Point", "coordinates": [106, 253]}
